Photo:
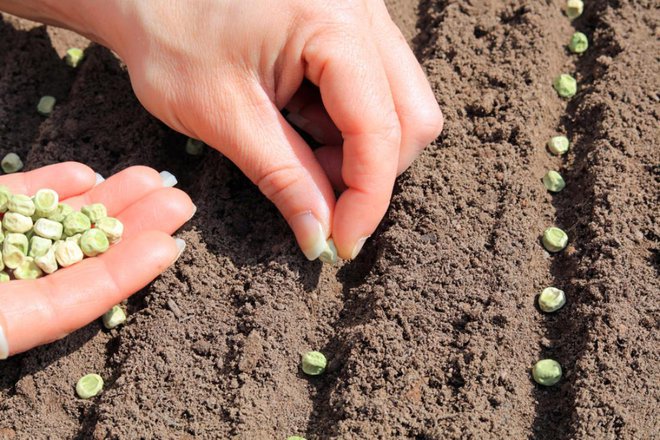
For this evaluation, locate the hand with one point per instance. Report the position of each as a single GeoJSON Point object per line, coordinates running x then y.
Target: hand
{"type": "Point", "coordinates": [221, 71]}
{"type": "Point", "coordinates": [39, 311]}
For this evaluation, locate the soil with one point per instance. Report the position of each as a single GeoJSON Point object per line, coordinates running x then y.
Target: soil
{"type": "Point", "coordinates": [432, 331]}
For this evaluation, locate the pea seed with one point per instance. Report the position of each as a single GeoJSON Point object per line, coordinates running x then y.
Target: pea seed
{"type": "Point", "coordinates": [329, 254]}
{"type": "Point", "coordinates": [15, 222]}
{"type": "Point", "coordinates": [46, 104]}
{"type": "Point", "coordinates": [95, 211]}
{"type": "Point", "coordinates": [547, 372]}
{"type": "Point", "coordinates": [50, 229]}
{"type": "Point", "coordinates": [11, 163]}
{"type": "Point", "coordinates": [74, 56]}
{"type": "Point", "coordinates": [4, 202]}
{"type": "Point", "coordinates": [68, 253]}
{"type": "Point", "coordinates": [558, 145]}
{"type": "Point", "coordinates": [47, 263]}
{"type": "Point", "coordinates": [94, 242]}
{"type": "Point", "coordinates": [194, 147]}
{"type": "Point", "coordinates": [39, 246]}
{"type": "Point", "coordinates": [553, 181]}
{"type": "Point", "coordinates": [60, 213]}
{"type": "Point", "coordinates": [574, 8]}
{"type": "Point", "coordinates": [579, 43]}
{"type": "Point", "coordinates": [4, 277]}
{"type": "Point", "coordinates": [21, 204]}
{"type": "Point", "coordinates": [554, 239]}
{"type": "Point", "coordinates": [313, 363]}
{"type": "Point", "coordinates": [76, 223]}
{"type": "Point", "coordinates": [27, 270]}
{"type": "Point", "coordinates": [114, 317]}
{"type": "Point", "coordinates": [551, 299]}
{"type": "Point", "coordinates": [45, 202]}
{"type": "Point", "coordinates": [565, 85]}
{"type": "Point", "coordinates": [89, 386]}
{"type": "Point", "coordinates": [112, 228]}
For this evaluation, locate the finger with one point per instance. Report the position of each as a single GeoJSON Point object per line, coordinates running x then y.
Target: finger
{"type": "Point", "coordinates": [348, 70]}
{"type": "Point", "coordinates": [165, 210]}
{"type": "Point", "coordinates": [330, 157]}
{"type": "Point", "coordinates": [418, 111]}
{"type": "Point", "coordinates": [66, 178]}
{"type": "Point", "coordinates": [270, 152]}
{"type": "Point", "coordinates": [36, 312]}
{"type": "Point", "coordinates": [120, 190]}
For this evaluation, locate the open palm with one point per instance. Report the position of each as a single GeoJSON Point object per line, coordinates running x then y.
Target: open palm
{"type": "Point", "coordinates": [35, 312]}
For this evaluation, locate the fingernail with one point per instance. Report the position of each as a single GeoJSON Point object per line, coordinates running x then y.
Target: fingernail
{"type": "Point", "coordinates": [181, 245]}
{"type": "Point", "coordinates": [168, 179]}
{"type": "Point", "coordinates": [4, 345]}
{"type": "Point", "coordinates": [358, 247]}
{"type": "Point", "coordinates": [309, 233]}
{"type": "Point", "coordinates": [192, 214]}
{"type": "Point", "coordinates": [297, 120]}
{"type": "Point", "coordinates": [99, 179]}
{"type": "Point", "coordinates": [329, 254]}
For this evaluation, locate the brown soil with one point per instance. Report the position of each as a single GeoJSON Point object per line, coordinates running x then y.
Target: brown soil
{"type": "Point", "coordinates": [432, 331]}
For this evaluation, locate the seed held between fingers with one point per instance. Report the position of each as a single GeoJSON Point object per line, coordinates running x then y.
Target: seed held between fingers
{"type": "Point", "coordinates": [329, 254]}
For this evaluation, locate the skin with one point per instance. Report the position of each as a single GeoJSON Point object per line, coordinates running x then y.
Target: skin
{"type": "Point", "coordinates": [222, 71]}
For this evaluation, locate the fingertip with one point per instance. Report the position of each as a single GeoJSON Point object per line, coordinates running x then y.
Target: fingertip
{"type": "Point", "coordinates": [80, 174]}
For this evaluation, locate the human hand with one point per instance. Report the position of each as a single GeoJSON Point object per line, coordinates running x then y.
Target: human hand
{"type": "Point", "coordinates": [38, 311]}
{"type": "Point", "coordinates": [221, 71]}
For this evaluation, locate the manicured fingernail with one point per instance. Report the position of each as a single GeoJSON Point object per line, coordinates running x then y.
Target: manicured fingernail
{"type": "Point", "coordinates": [181, 245]}
{"type": "Point", "coordinates": [358, 247]}
{"type": "Point", "coordinates": [4, 345]}
{"type": "Point", "coordinates": [297, 120]}
{"type": "Point", "coordinates": [99, 179]}
{"type": "Point", "coordinates": [309, 233]}
{"type": "Point", "coordinates": [329, 254]}
{"type": "Point", "coordinates": [168, 179]}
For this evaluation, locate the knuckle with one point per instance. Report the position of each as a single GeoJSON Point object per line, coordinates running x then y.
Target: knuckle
{"type": "Point", "coordinates": [430, 123]}
{"type": "Point", "coordinates": [277, 182]}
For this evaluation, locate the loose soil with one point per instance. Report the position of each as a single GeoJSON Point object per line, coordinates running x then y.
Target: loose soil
{"type": "Point", "coordinates": [432, 331]}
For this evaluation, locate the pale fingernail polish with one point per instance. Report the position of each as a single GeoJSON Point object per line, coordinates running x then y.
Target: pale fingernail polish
{"type": "Point", "coordinates": [309, 233]}
{"type": "Point", "coordinates": [168, 179]}
{"type": "Point", "coordinates": [358, 247]}
{"type": "Point", "coordinates": [99, 179]}
{"type": "Point", "coordinates": [4, 345]}
{"type": "Point", "coordinates": [329, 254]}
{"type": "Point", "coordinates": [297, 120]}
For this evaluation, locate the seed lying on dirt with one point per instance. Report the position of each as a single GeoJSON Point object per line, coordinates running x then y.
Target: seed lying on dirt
{"type": "Point", "coordinates": [574, 8]}
{"type": "Point", "coordinates": [554, 239]}
{"type": "Point", "coordinates": [11, 163]}
{"type": "Point", "coordinates": [558, 145]}
{"type": "Point", "coordinates": [74, 56]}
{"type": "Point", "coordinates": [553, 181]}
{"type": "Point", "coordinates": [546, 372]}
{"type": "Point", "coordinates": [579, 43]}
{"type": "Point", "coordinates": [551, 299]}
{"type": "Point", "coordinates": [565, 85]}
{"type": "Point", "coordinates": [46, 104]}
{"type": "Point", "coordinates": [194, 147]}
{"type": "Point", "coordinates": [59, 236]}
{"type": "Point", "coordinates": [89, 386]}
{"type": "Point", "coordinates": [329, 254]}
{"type": "Point", "coordinates": [314, 363]}
{"type": "Point", "coordinates": [114, 317]}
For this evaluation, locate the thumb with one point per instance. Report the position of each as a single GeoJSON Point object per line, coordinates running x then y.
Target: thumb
{"type": "Point", "coordinates": [274, 156]}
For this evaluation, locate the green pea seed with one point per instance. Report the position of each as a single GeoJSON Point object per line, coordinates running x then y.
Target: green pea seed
{"type": "Point", "coordinates": [11, 163]}
{"type": "Point", "coordinates": [329, 254]}
{"type": "Point", "coordinates": [554, 239]}
{"type": "Point", "coordinates": [74, 56]}
{"type": "Point", "coordinates": [558, 145]}
{"type": "Point", "coordinates": [45, 202]}
{"type": "Point", "coordinates": [21, 204]}
{"type": "Point", "coordinates": [194, 147]}
{"type": "Point", "coordinates": [114, 317]}
{"type": "Point", "coordinates": [39, 246]}
{"type": "Point", "coordinates": [27, 270]}
{"type": "Point", "coordinates": [579, 43]}
{"type": "Point", "coordinates": [551, 299]}
{"type": "Point", "coordinates": [553, 181]}
{"type": "Point", "coordinates": [60, 213]}
{"type": "Point", "coordinates": [50, 229]}
{"type": "Point", "coordinates": [15, 222]}
{"type": "Point", "coordinates": [47, 262]}
{"type": "Point", "coordinates": [314, 363]}
{"type": "Point", "coordinates": [46, 104]}
{"type": "Point", "coordinates": [95, 211]}
{"type": "Point", "coordinates": [4, 277]}
{"type": "Point", "coordinates": [76, 223]}
{"type": "Point", "coordinates": [89, 386]}
{"type": "Point", "coordinates": [112, 228]}
{"type": "Point", "coordinates": [574, 8]}
{"type": "Point", "coordinates": [4, 203]}
{"type": "Point", "coordinates": [94, 242]}
{"type": "Point", "coordinates": [68, 253]}
{"type": "Point", "coordinates": [547, 372]}
{"type": "Point", "coordinates": [565, 85]}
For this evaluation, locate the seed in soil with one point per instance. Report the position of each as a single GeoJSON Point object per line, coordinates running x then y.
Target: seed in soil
{"type": "Point", "coordinates": [194, 147]}
{"type": "Point", "coordinates": [11, 163]}
{"type": "Point", "coordinates": [554, 239]}
{"type": "Point", "coordinates": [114, 317]}
{"type": "Point", "coordinates": [558, 145]}
{"type": "Point", "coordinates": [574, 8]}
{"type": "Point", "coordinates": [45, 106]}
{"type": "Point", "coordinates": [74, 56]}
{"type": "Point", "coordinates": [565, 85]}
{"type": "Point", "coordinates": [89, 386]}
{"type": "Point", "coordinates": [553, 181]}
{"type": "Point", "coordinates": [579, 43]}
{"type": "Point", "coordinates": [546, 372]}
{"type": "Point", "coordinates": [329, 254]}
{"type": "Point", "coordinates": [313, 363]}
{"type": "Point", "coordinates": [551, 299]}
